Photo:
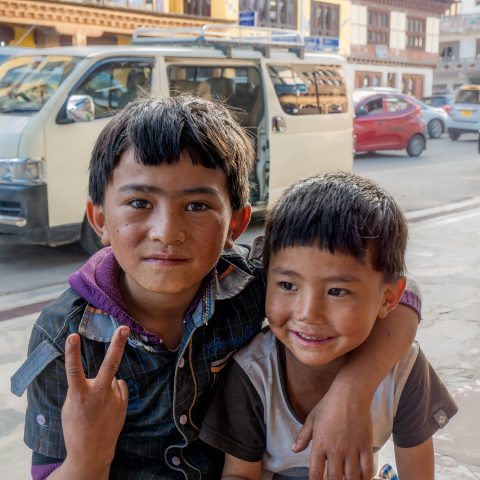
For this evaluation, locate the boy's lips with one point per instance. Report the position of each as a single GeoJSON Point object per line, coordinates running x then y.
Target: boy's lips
{"type": "Point", "coordinates": [167, 259]}
{"type": "Point", "coordinates": [311, 339]}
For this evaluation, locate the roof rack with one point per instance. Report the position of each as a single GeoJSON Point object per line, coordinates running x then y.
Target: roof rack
{"type": "Point", "coordinates": [224, 37]}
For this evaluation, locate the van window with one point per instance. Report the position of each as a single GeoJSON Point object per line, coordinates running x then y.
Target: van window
{"type": "Point", "coordinates": [468, 96]}
{"type": "Point", "coordinates": [238, 86]}
{"type": "Point", "coordinates": [112, 85]}
{"type": "Point", "coordinates": [309, 89]}
{"type": "Point", "coordinates": [26, 83]}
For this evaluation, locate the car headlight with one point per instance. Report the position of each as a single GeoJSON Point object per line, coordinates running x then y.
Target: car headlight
{"type": "Point", "coordinates": [22, 170]}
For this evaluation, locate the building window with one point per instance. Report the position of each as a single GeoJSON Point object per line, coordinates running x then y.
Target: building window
{"type": "Point", "coordinates": [197, 7]}
{"type": "Point", "coordinates": [454, 9]}
{"type": "Point", "coordinates": [449, 50]}
{"type": "Point", "coordinates": [272, 13]}
{"type": "Point", "coordinates": [378, 27]}
{"type": "Point", "coordinates": [325, 19]}
{"type": "Point", "coordinates": [416, 33]}
{"type": "Point", "coordinates": [367, 79]}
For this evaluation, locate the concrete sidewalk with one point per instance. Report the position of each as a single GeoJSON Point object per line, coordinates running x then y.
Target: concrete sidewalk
{"type": "Point", "coordinates": [444, 255]}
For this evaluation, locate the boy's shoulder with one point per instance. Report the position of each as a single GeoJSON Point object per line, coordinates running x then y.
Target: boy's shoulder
{"type": "Point", "coordinates": [245, 256]}
{"type": "Point", "coordinates": [61, 317]}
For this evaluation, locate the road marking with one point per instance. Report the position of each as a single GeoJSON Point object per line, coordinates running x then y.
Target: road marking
{"type": "Point", "coordinates": [23, 310]}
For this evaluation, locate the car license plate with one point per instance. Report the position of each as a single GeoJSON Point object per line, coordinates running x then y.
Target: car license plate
{"type": "Point", "coordinates": [467, 113]}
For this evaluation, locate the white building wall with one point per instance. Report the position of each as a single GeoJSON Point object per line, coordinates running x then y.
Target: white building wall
{"type": "Point", "coordinates": [398, 26]}
{"type": "Point", "coordinates": [468, 6]}
{"type": "Point", "coordinates": [359, 25]}
{"type": "Point", "coordinates": [432, 34]}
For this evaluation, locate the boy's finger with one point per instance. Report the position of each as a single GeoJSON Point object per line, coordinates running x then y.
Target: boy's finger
{"type": "Point", "coordinates": [303, 437]}
{"type": "Point", "coordinates": [122, 386]}
{"type": "Point", "coordinates": [73, 363]}
{"type": "Point", "coordinates": [317, 468]}
{"type": "Point", "coordinates": [367, 464]}
{"type": "Point", "coordinates": [113, 357]}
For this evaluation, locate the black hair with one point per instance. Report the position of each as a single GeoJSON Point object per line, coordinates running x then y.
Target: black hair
{"type": "Point", "coordinates": [340, 212]}
{"type": "Point", "coordinates": [160, 129]}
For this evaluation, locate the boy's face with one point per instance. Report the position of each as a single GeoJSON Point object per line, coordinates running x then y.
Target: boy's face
{"type": "Point", "coordinates": [322, 305]}
{"type": "Point", "coordinates": [167, 224]}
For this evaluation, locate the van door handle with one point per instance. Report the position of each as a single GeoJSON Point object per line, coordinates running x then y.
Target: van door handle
{"type": "Point", "coordinates": [278, 124]}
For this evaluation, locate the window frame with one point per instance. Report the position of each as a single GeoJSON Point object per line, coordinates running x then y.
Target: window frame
{"type": "Point", "coordinates": [416, 33]}
{"type": "Point", "coordinates": [378, 31]}
{"type": "Point", "coordinates": [326, 29]}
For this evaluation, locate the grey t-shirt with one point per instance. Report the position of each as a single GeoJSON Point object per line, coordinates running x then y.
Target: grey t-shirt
{"type": "Point", "coordinates": [250, 416]}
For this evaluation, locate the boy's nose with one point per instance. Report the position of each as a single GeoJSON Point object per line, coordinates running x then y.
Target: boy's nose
{"type": "Point", "coordinates": [167, 228]}
{"type": "Point", "coordinates": [311, 309]}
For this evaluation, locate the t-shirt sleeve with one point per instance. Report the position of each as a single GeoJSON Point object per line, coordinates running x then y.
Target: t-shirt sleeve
{"type": "Point", "coordinates": [234, 422]}
{"type": "Point", "coordinates": [412, 296]}
{"type": "Point", "coordinates": [424, 407]}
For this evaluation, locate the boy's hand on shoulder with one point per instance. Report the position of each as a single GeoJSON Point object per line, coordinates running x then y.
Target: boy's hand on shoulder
{"type": "Point", "coordinates": [341, 435]}
{"type": "Point", "coordinates": [95, 409]}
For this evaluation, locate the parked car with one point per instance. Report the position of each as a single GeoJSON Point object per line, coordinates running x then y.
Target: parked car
{"type": "Point", "coordinates": [465, 112]}
{"type": "Point", "coordinates": [440, 100]}
{"type": "Point", "coordinates": [436, 119]}
{"type": "Point", "coordinates": [389, 121]}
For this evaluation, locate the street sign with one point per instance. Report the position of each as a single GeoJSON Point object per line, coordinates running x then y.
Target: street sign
{"type": "Point", "coordinates": [321, 43]}
{"type": "Point", "coordinates": [247, 18]}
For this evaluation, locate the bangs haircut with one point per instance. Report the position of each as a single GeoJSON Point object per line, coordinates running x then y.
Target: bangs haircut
{"type": "Point", "coordinates": [159, 130]}
{"type": "Point", "coordinates": [340, 212]}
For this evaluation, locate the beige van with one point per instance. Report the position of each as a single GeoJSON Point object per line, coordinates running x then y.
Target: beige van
{"type": "Point", "coordinates": [54, 103]}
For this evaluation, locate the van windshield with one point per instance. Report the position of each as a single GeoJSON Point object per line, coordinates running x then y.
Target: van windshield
{"type": "Point", "coordinates": [468, 96]}
{"type": "Point", "coordinates": [27, 82]}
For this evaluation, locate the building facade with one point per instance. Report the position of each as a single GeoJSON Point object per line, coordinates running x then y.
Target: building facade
{"type": "Point", "coordinates": [459, 61]}
{"type": "Point", "coordinates": [394, 43]}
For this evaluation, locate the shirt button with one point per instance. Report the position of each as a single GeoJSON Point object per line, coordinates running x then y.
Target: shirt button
{"type": "Point", "coordinates": [183, 419]}
{"type": "Point", "coordinates": [41, 420]}
{"type": "Point", "coordinates": [181, 362]}
{"type": "Point", "coordinates": [176, 461]}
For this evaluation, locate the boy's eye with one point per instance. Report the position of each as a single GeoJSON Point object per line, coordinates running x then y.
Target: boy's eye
{"type": "Point", "coordinates": [196, 207]}
{"type": "Point", "coordinates": [139, 203]}
{"type": "Point", "coordinates": [338, 292]}
{"type": "Point", "coordinates": [290, 287]}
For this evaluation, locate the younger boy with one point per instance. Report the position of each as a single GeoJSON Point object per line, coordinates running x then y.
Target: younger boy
{"type": "Point", "coordinates": [168, 192]}
{"type": "Point", "coordinates": [334, 250]}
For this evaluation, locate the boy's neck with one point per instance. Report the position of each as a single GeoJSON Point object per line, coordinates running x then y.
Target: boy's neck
{"type": "Point", "coordinates": [159, 313]}
{"type": "Point", "coordinates": [306, 385]}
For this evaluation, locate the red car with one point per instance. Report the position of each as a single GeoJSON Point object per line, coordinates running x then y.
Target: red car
{"type": "Point", "coordinates": [389, 121]}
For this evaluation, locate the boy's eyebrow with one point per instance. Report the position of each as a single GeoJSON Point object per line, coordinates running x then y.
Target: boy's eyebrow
{"type": "Point", "coordinates": [343, 278]}
{"type": "Point", "coordinates": [145, 188]}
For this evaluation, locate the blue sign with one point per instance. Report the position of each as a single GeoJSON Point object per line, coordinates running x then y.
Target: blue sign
{"type": "Point", "coordinates": [246, 18]}
{"type": "Point", "coordinates": [322, 43]}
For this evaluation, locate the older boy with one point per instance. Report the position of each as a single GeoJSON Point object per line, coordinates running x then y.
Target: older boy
{"type": "Point", "coordinates": [169, 191]}
{"type": "Point", "coordinates": [334, 250]}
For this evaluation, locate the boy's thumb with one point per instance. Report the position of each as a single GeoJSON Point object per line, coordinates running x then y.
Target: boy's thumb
{"type": "Point", "coordinates": [303, 437]}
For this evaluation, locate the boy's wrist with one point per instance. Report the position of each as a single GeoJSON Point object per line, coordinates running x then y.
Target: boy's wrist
{"type": "Point", "coordinates": [73, 469]}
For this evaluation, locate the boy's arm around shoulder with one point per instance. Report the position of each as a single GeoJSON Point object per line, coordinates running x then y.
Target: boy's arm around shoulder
{"type": "Point", "coordinates": [340, 425]}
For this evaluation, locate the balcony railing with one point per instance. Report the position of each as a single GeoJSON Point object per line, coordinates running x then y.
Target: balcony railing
{"type": "Point", "coordinates": [460, 23]}
{"type": "Point", "coordinates": [446, 65]}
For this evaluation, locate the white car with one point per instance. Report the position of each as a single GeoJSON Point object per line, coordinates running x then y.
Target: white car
{"type": "Point", "coordinates": [436, 119]}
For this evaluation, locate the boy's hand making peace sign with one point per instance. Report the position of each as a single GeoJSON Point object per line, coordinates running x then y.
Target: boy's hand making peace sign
{"type": "Point", "coordinates": [94, 411]}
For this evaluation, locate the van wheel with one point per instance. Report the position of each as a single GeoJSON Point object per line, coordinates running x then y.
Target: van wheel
{"type": "Point", "coordinates": [435, 128]}
{"type": "Point", "coordinates": [416, 146]}
{"type": "Point", "coordinates": [453, 135]}
{"type": "Point", "coordinates": [89, 240]}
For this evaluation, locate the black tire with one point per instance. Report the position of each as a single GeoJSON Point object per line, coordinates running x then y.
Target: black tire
{"type": "Point", "coordinates": [453, 135]}
{"type": "Point", "coordinates": [416, 145]}
{"type": "Point", "coordinates": [435, 128]}
{"type": "Point", "coordinates": [89, 240]}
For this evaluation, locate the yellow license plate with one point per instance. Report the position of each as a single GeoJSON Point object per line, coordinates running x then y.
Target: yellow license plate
{"type": "Point", "coordinates": [467, 113]}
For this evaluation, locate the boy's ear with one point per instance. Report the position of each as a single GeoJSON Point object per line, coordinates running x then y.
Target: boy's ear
{"type": "Point", "coordinates": [96, 219]}
{"type": "Point", "coordinates": [238, 223]}
{"type": "Point", "coordinates": [391, 296]}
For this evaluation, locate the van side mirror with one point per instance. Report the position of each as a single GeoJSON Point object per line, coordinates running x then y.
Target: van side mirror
{"type": "Point", "coordinates": [80, 108]}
